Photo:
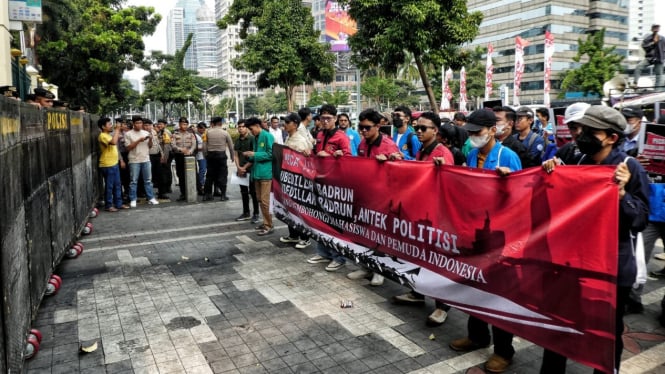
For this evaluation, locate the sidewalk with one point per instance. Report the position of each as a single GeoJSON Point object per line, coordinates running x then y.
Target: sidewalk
{"type": "Point", "coordinates": [183, 288]}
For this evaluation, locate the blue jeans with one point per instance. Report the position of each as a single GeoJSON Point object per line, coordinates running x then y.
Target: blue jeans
{"type": "Point", "coordinates": [326, 252]}
{"type": "Point", "coordinates": [112, 186]}
{"type": "Point", "coordinates": [203, 167]}
{"type": "Point", "coordinates": [134, 171]}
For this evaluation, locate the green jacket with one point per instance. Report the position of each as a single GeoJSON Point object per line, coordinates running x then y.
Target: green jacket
{"type": "Point", "coordinates": [262, 160]}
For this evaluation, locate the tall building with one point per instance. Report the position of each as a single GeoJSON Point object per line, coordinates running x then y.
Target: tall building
{"type": "Point", "coordinates": [193, 16]}
{"type": "Point", "coordinates": [567, 20]}
{"type": "Point", "coordinates": [242, 84]}
{"type": "Point", "coordinates": [205, 40]}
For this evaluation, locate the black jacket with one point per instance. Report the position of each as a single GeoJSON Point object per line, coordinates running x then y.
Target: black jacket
{"type": "Point", "coordinates": [526, 158]}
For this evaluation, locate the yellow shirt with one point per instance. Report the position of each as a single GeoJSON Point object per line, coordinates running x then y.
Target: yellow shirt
{"type": "Point", "coordinates": [108, 155]}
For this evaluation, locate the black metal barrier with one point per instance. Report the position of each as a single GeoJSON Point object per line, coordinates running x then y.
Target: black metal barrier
{"type": "Point", "coordinates": [48, 186]}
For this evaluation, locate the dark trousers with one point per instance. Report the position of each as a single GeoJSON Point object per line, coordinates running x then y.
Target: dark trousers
{"type": "Point", "coordinates": [218, 172]}
{"type": "Point", "coordinates": [554, 363]}
{"type": "Point", "coordinates": [124, 174]}
{"type": "Point", "coordinates": [168, 174]}
{"type": "Point", "coordinates": [295, 233]}
{"type": "Point", "coordinates": [180, 172]}
{"type": "Point", "coordinates": [503, 340]}
{"type": "Point", "coordinates": [246, 192]}
{"type": "Point", "coordinates": [157, 174]}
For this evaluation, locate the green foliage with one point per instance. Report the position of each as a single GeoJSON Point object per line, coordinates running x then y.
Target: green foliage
{"type": "Point", "coordinates": [123, 102]}
{"type": "Point", "coordinates": [171, 84]}
{"type": "Point", "coordinates": [599, 64]}
{"type": "Point", "coordinates": [270, 103]}
{"type": "Point", "coordinates": [337, 97]}
{"type": "Point", "coordinates": [86, 45]}
{"type": "Point", "coordinates": [379, 90]}
{"type": "Point", "coordinates": [431, 30]}
{"type": "Point", "coordinates": [284, 50]}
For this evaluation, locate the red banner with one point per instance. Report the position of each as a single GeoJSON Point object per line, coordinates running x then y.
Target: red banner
{"type": "Point", "coordinates": [518, 252]}
{"type": "Point", "coordinates": [654, 149]}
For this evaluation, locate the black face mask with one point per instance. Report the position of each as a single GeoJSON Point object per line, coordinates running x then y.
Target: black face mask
{"type": "Point", "coordinates": [589, 144]}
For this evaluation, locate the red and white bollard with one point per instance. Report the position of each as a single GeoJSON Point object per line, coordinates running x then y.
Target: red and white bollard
{"type": "Point", "coordinates": [31, 346]}
{"type": "Point", "coordinates": [87, 229]}
{"type": "Point", "coordinates": [52, 287]}
{"type": "Point", "coordinates": [73, 252]}
{"type": "Point", "coordinates": [94, 213]}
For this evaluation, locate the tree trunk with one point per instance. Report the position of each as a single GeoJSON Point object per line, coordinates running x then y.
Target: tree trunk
{"type": "Point", "coordinates": [289, 98]}
{"type": "Point", "coordinates": [428, 87]}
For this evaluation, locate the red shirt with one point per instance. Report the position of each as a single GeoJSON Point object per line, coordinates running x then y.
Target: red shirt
{"type": "Point", "coordinates": [439, 150]}
{"type": "Point", "coordinates": [337, 141]}
{"type": "Point", "coordinates": [382, 145]}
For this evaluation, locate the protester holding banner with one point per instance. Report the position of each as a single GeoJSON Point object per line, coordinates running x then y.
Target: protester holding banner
{"type": "Point", "coordinates": [297, 142]}
{"type": "Point", "coordinates": [602, 131]}
{"type": "Point", "coordinates": [374, 144]}
{"type": "Point", "coordinates": [449, 136]}
{"type": "Point", "coordinates": [261, 159]}
{"type": "Point", "coordinates": [330, 141]}
{"type": "Point", "coordinates": [432, 151]}
{"type": "Point", "coordinates": [406, 140]}
{"type": "Point", "coordinates": [569, 152]}
{"type": "Point", "coordinates": [488, 154]}
{"type": "Point", "coordinates": [531, 140]}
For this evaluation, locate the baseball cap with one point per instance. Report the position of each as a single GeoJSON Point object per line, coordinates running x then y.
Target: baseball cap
{"type": "Point", "coordinates": [524, 111]}
{"type": "Point", "coordinates": [631, 111]}
{"type": "Point", "coordinates": [574, 112]}
{"type": "Point", "coordinates": [40, 92]}
{"type": "Point", "coordinates": [480, 119]}
{"type": "Point", "coordinates": [603, 118]}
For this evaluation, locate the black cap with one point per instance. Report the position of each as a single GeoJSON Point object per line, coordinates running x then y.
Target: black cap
{"type": "Point", "coordinates": [60, 104]}
{"type": "Point", "coordinates": [480, 119]}
{"type": "Point", "coordinates": [632, 111]}
{"type": "Point", "coordinates": [292, 117]}
{"type": "Point", "coordinates": [524, 111]}
{"type": "Point", "coordinates": [216, 120]}
{"type": "Point", "coordinates": [40, 92]}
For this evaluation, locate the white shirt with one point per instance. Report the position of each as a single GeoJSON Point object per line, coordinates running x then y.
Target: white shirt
{"type": "Point", "coordinates": [277, 134]}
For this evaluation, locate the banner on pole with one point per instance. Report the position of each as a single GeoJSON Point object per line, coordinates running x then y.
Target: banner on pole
{"type": "Point", "coordinates": [447, 93]}
{"type": "Point", "coordinates": [489, 72]}
{"type": "Point", "coordinates": [512, 251]}
{"type": "Point", "coordinates": [549, 52]}
{"type": "Point", "coordinates": [519, 68]}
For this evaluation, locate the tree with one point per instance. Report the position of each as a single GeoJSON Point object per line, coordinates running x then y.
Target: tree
{"type": "Point", "coordinates": [315, 99]}
{"type": "Point", "coordinates": [380, 90]}
{"type": "Point", "coordinates": [599, 64]}
{"type": "Point", "coordinates": [284, 49]}
{"type": "Point", "coordinates": [431, 30]}
{"type": "Point", "coordinates": [123, 102]}
{"type": "Point", "coordinates": [88, 44]}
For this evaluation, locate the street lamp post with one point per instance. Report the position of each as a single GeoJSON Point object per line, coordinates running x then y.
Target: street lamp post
{"type": "Point", "coordinates": [148, 104]}
{"type": "Point", "coordinates": [205, 100]}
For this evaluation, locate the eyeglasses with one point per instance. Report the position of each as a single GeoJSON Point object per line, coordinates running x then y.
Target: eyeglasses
{"type": "Point", "coordinates": [365, 127]}
{"type": "Point", "coordinates": [327, 118]}
{"type": "Point", "coordinates": [422, 128]}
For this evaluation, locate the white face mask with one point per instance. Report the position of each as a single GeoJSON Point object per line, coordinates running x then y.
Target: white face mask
{"type": "Point", "coordinates": [479, 141]}
{"type": "Point", "coordinates": [629, 129]}
{"type": "Point", "coordinates": [500, 130]}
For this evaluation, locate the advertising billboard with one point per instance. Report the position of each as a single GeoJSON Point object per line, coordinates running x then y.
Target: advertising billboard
{"type": "Point", "coordinates": [339, 26]}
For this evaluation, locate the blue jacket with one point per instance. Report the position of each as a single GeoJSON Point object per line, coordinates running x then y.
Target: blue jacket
{"type": "Point", "coordinates": [498, 156]}
{"type": "Point", "coordinates": [408, 150]}
{"type": "Point", "coordinates": [534, 143]}
{"type": "Point", "coordinates": [354, 139]}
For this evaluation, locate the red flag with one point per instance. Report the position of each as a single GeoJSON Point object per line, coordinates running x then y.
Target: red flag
{"type": "Point", "coordinates": [519, 68]}
{"type": "Point", "coordinates": [549, 52]}
{"type": "Point", "coordinates": [489, 71]}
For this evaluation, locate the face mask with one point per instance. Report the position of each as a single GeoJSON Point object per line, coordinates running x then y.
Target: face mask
{"type": "Point", "coordinates": [500, 130]}
{"type": "Point", "coordinates": [479, 141]}
{"type": "Point", "coordinates": [589, 144]}
{"type": "Point", "coordinates": [629, 129]}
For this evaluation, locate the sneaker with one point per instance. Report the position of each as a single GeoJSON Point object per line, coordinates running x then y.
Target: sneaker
{"type": "Point", "coordinates": [334, 266]}
{"type": "Point", "coordinates": [260, 227]}
{"type": "Point", "coordinates": [658, 273]}
{"type": "Point", "coordinates": [377, 280]}
{"type": "Point", "coordinates": [465, 345]}
{"type": "Point", "coordinates": [153, 201]}
{"type": "Point", "coordinates": [288, 239]}
{"type": "Point", "coordinates": [317, 260]}
{"type": "Point", "coordinates": [265, 231]}
{"type": "Point", "coordinates": [659, 256]}
{"type": "Point", "coordinates": [255, 219]}
{"type": "Point", "coordinates": [243, 217]}
{"type": "Point", "coordinates": [409, 299]}
{"type": "Point", "coordinates": [302, 244]}
{"type": "Point", "coordinates": [358, 274]}
{"type": "Point", "coordinates": [497, 364]}
{"type": "Point", "coordinates": [132, 204]}
{"type": "Point", "coordinates": [437, 318]}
